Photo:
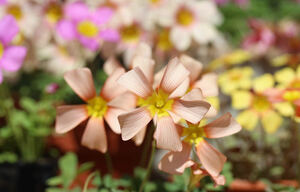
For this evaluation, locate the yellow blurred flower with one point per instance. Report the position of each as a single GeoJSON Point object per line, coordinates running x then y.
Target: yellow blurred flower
{"type": "Point", "coordinates": [256, 106]}
{"type": "Point", "coordinates": [234, 79]}
{"type": "Point", "coordinates": [288, 78]}
{"type": "Point", "coordinates": [291, 60]}
{"type": "Point", "coordinates": [234, 58]}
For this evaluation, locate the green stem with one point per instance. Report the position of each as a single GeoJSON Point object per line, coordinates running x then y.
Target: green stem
{"type": "Point", "coordinates": [86, 184]}
{"type": "Point", "coordinates": [108, 162]}
{"type": "Point", "coordinates": [147, 144]}
{"type": "Point", "coordinates": [149, 167]}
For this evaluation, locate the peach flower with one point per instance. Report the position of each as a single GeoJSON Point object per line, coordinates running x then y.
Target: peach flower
{"type": "Point", "coordinates": [161, 104]}
{"type": "Point", "coordinates": [111, 102]}
{"type": "Point", "coordinates": [194, 135]}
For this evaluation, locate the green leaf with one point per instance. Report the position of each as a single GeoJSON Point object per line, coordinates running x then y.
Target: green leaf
{"type": "Point", "coordinates": [139, 173]}
{"type": "Point", "coordinates": [97, 180]}
{"type": "Point", "coordinates": [28, 104]}
{"type": "Point", "coordinates": [8, 157]}
{"type": "Point", "coordinates": [103, 190]}
{"type": "Point", "coordinates": [108, 181]}
{"type": "Point", "coordinates": [85, 166]}
{"type": "Point", "coordinates": [68, 166]}
{"type": "Point", "coordinates": [55, 181]}
{"type": "Point", "coordinates": [5, 132]}
{"type": "Point", "coordinates": [150, 186]}
{"type": "Point", "coordinates": [55, 190]}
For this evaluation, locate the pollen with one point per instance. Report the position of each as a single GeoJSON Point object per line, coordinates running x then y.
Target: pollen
{"type": "Point", "coordinates": [261, 103]}
{"type": "Point", "coordinates": [96, 107]}
{"type": "Point", "coordinates": [291, 95]}
{"type": "Point", "coordinates": [185, 17]}
{"type": "Point", "coordinates": [164, 42]}
{"type": "Point", "coordinates": [193, 134]}
{"type": "Point", "coordinates": [15, 10]}
{"type": "Point", "coordinates": [87, 29]}
{"type": "Point", "coordinates": [158, 103]}
{"type": "Point", "coordinates": [54, 12]}
{"type": "Point", "coordinates": [1, 49]}
{"type": "Point", "coordinates": [130, 33]}
{"type": "Point", "coordinates": [295, 84]}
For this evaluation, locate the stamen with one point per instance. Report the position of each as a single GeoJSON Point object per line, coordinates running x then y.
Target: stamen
{"type": "Point", "coordinates": [96, 107]}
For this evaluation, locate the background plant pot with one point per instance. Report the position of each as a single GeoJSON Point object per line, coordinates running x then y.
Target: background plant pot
{"type": "Point", "coordinates": [245, 185]}
{"type": "Point", "coordinates": [26, 177]}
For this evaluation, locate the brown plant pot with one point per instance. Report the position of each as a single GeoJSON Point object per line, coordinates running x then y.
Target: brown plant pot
{"type": "Point", "coordinates": [245, 185]}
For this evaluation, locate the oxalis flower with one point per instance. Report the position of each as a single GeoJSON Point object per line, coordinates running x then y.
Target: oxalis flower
{"type": "Point", "coordinates": [287, 94]}
{"type": "Point", "coordinates": [11, 57]}
{"type": "Point", "coordinates": [211, 160]}
{"type": "Point", "coordinates": [111, 102]}
{"type": "Point", "coordinates": [87, 26]}
{"type": "Point", "coordinates": [160, 104]}
{"type": "Point", "coordinates": [257, 107]}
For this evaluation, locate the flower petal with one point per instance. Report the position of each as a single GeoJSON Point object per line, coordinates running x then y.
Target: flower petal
{"type": "Point", "coordinates": [94, 136]}
{"type": "Point", "coordinates": [13, 57]}
{"type": "Point", "coordinates": [166, 135]}
{"type": "Point", "coordinates": [180, 38]}
{"type": "Point", "coordinates": [194, 94]}
{"type": "Point", "coordinates": [191, 64]}
{"type": "Point", "coordinates": [271, 121]}
{"type": "Point", "coordinates": [143, 50]}
{"type": "Point", "coordinates": [135, 81]}
{"type": "Point", "coordinates": [139, 138]}
{"type": "Point", "coordinates": [110, 65]}
{"type": "Point", "coordinates": [212, 160]}
{"type": "Point", "coordinates": [66, 29]}
{"type": "Point", "coordinates": [146, 65]}
{"type": "Point", "coordinates": [8, 29]}
{"type": "Point", "coordinates": [192, 111]}
{"type": "Point", "coordinates": [181, 89]}
{"type": "Point", "coordinates": [76, 11]}
{"type": "Point", "coordinates": [222, 127]}
{"type": "Point", "coordinates": [285, 108]}
{"type": "Point", "coordinates": [111, 117]}
{"type": "Point", "coordinates": [285, 76]}
{"type": "Point", "coordinates": [126, 101]}
{"type": "Point", "coordinates": [174, 75]}
{"type": "Point", "coordinates": [132, 122]}
{"type": "Point", "coordinates": [248, 119]}
{"type": "Point", "coordinates": [69, 116]}
{"type": "Point", "coordinates": [208, 85]}
{"type": "Point", "coordinates": [176, 162]}
{"type": "Point", "coordinates": [1, 77]}
{"type": "Point", "coordinates": [263, 83]}
{"type": "Point", "coordinates": [81, 81]}
{"type": "Point", "coordinates": [241, 99]}
{"type": "Point", "coordinates": [111, 87]}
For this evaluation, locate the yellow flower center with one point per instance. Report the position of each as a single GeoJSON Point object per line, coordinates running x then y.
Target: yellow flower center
{"type": "Point", "coordinates": [1, 49]}
{"type": "Point", "coordinates": [87, 28]}
{"type": "Point", "coordinates": [295, 84]}
{"type": "Point", "coordinates": [154, 1]}
{"type": "Point", "coordinates": [96, 107]}
{"type": "Point", "coordinates": [291, 95]}
{"type": "Point", "coordinates": [235, 75]}
{"type": "Point", "coordinates": [130, 33]}
{"type": "Point", "coordinates": [184, 17]}
{"type": "Point", "coordinates": [54, 13]}
{"type": "Point", "coordinates": [164, 42]}
{"type": "Point", "coordinates": [158, 103]}
{"type": "Point", "coordinates": [15, 10]}
{"type": "Point", "coordinates": [261, 103]}
{"type": "Point", "coordinates": [193, 134]}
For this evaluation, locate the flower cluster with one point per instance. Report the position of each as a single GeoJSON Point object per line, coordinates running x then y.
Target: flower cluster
{"type": "Point", "coordinates": [173, 99]}
{"type": "Point", "coordinates": [72, 32]}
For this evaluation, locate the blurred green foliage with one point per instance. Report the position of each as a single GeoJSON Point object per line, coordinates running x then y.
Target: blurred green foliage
{"type": "Point", "coordinates": [235, 25]}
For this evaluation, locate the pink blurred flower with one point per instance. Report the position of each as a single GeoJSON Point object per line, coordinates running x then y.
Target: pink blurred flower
{"type": "Point", "coordinates": [261, 38]}
{"type": "Point", "coordinates": [87, 26]}
{"type": "Point", "coordinates": [52, 88]}
{"type": "Point", "coordinates": [11, 57]}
